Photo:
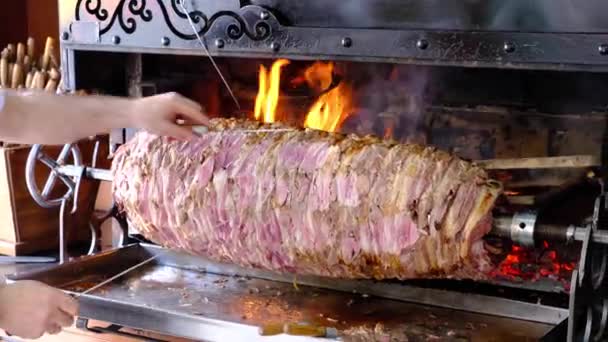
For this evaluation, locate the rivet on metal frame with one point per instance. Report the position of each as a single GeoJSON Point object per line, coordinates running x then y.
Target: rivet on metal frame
{"type": "Point", "coordinates": [219, 43]}
{"type": "Point", "coordinates": [603, 49]}
{"type": "Point", "coordinates": [422, 44]}
{"type": "Point", "coordinates": [264, 15]}
{"type": "Point", "coordinates": [166, 41]}
{"type": "Point", "coordinates": [347, 42]}
{"type": "Point", "coordinates": [275, 46]}
{"type": "Point", "coordinates": [509, 47]}
{"type": "Point", "coordinates": [65, 36]}
{"type": "Point", "coordinates": [116, 40]}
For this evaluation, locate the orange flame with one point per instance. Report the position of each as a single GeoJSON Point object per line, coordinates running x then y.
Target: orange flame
{"type": "Point", "coordinates": [332, 108]}
{"type": "Point", "coordinates": [269, 91]}
{"type": "Point", "coordinates": [327, 113]}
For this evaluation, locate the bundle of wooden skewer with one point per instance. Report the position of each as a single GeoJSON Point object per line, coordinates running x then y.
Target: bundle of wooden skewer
{"type": "Point", "coordinates": [21, 68]}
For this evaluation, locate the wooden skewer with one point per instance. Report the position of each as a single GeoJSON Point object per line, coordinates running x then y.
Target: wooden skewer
{"type": "Point", "coordinates": [29, 80]}
{"type": "Point", "coordinates": [35, 77]}
{"type": "Point", "coordinates": [580, 161]}
{"type": "Point", "coordinates": [51, 85]}
{"type": "Point", "coordinates": [4, 72]}
{"type": "Point", "coordinates": [11, 51]}
{"type": "Point", "coordinates": [17, 76]}
{"type": "Point", "coordinates": [27, 64]}
{"type": "Point", "coordinates": [39, 81]}
{"type": "Point", "coordinates": [60, 86]}
{"type": "Point", "coordinates": [30, 48]}
{"type": "Point", "coordinates": [54, 62]}
{"type": "Point", "coordinates": [46, 57]}
{"type": "Point", "coordinates": [11, 68]}
{"type": "Point", "coordinates": [20, 53]}
{"type": "Point", "coordinates": [54, 74]}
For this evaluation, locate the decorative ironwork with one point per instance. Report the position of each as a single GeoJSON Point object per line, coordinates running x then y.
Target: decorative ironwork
{"type": "Point", "coordinates": [136, 8]}
{"type": "Point", "coordinates": [127, 10]}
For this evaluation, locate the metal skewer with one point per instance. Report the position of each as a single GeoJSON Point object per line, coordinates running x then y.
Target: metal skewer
{"type": "Point", "coordinates": [200, 39]}
{"type": "Point", "coordinates": [107, 281]}
{"type": "Point", "coordinates": [204, 130]}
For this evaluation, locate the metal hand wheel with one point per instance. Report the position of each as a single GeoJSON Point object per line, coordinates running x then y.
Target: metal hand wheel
{"type": "Point", "coordinates": [43, 197]}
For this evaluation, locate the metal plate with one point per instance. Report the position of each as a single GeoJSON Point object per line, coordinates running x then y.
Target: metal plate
{"type": "Point", "coordinates": [187, 302]}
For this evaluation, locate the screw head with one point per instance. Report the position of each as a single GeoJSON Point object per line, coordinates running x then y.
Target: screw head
{"type": "Point", "coordinates": [264, 15]}
{"type": "Point", "coordinates": [347, 42]}
{"type": "Point", "coordinates": [603, 49]}
{"type": "Point", "coordinates": [165, 41]}
{"type": "Point", "coordinates": [219, 43]}
{"type": "Point", "coordinates": [509, 47]}
{"type": "Point", "coordinates": [116, 40]}
{"type": "Point", "coordinates": [275, 46]}
{"type": "Point", "coordinates": [65, 36]}
{"type": "Point", "coordinates": [422, 44]}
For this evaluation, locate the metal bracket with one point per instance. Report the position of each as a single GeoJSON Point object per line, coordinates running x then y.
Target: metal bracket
{"type": "Point", "coordinates": [522, 228]}
{"type": "Point", "coordinates": [72, 176]}
{"type": "Point", "coordinates": [588, 306]}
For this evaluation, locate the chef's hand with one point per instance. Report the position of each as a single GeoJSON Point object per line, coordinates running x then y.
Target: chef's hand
{"type": "Point", "coordinates": [160, 114]}
{"type": "Point", "coordinates": [29, 309]}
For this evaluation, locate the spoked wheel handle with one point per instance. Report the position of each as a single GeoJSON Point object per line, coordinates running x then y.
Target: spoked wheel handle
{"type": "Point", "coordinates": [42, 198]}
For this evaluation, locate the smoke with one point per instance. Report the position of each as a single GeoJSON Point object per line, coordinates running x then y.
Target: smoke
{"type": "Point", "coordinates": [550, 15]}
{"type": "Point", "coordinates": [390, 101]}
{"type": "Point", "coordinates": [509, 15]}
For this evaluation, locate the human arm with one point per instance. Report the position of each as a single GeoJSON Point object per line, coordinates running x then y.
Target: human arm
{"type": "Point", "coordinates": [43, 118]}
{"type": "Point", "coordinates": [29, 309]}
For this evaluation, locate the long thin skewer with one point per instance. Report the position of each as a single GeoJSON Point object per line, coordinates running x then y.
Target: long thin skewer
{"type": "Point", "coordinates": [200, 39]}
{"type": "Point", "coordinates": [107, 281]}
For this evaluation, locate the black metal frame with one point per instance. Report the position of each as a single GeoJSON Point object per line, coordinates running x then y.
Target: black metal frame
{"type": "Point", "coordinates": [160, 26]}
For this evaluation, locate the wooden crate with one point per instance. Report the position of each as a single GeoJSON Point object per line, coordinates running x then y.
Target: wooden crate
{"type": "Point", "coordinates": [25, 227]}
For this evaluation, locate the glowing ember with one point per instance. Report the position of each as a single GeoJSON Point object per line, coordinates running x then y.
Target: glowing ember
{"type": "Point", "coordinates": [269, 91]}
{"type": "Point", "coordinates": [531, 265]}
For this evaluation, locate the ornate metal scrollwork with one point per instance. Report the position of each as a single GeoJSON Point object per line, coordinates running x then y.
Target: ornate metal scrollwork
{"type": "Point", "coordinates": [134, 8]}
{"type": "Point", "coordinates": [126, 12]}
{"type": "Point", "coordinates": [235, 30]}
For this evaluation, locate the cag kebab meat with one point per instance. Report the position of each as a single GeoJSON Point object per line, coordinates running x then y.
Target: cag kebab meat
{"type": "Point", "coordinates": [309, 202]}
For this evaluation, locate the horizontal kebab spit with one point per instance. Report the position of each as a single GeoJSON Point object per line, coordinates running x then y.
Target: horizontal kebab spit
{"type": "Point", "coordinates": [309, 202]}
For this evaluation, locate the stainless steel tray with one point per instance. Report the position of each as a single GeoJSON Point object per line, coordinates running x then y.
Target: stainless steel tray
{"type": "Point", "coordinates": [190, 297]}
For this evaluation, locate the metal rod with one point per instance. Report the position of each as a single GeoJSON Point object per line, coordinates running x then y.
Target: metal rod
{"type": "Point", "coordinates": [502, 228]}
{"type": "Point", "coordinates": [63, 243]}
{"type": "Point", "coordinates": [200, 39]}
{"type": "Point", "coordinates": [90, 172]}
{"type": "Point", "coordinates": [26, 260]}
{"type": "Point", "coordinates": [128, 270]}
{"type": "Point", "coordinates": [204, 130]}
